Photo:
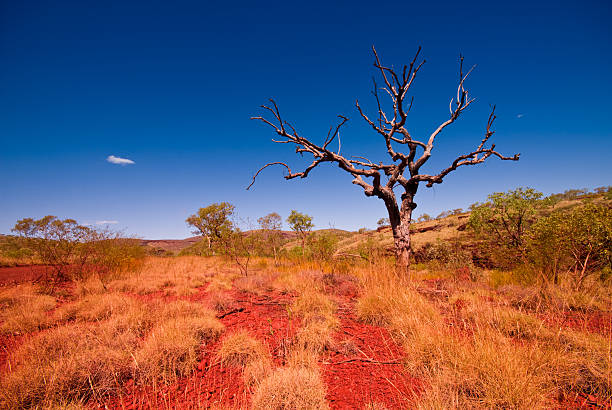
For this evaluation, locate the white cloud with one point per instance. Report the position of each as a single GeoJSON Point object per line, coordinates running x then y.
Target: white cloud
{"type": "Point", "coordinates": [106, 222]}
{"type": "Point", "coordinates": [520, 115]}
{"type": "Point", "coordinates": [118, 160]}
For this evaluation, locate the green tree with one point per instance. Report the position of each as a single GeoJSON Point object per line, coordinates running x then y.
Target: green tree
{"type": "Point", "coordinates": [212, 222]}
{"type": "Point", "coordinates": [56, 242]}
{"type": "Point", "coordinates": [382, 222]}
{"type": "Point", "coordinates": [72, 250]}
{"type": "Point", "coordinates": [271, 225]}
{"type": "Point", "coordinates": [301, 224]}
{"type": "Point", "coordinates": [424, 218]}
{"type": "Point", "coordinates": [506, 216]}
{"type": "Point", "coordinates": [577, 241]}
{"type": "Point", "coordinates": [240, 247]}
{"type": "Point", "coordinates": [324, 246]}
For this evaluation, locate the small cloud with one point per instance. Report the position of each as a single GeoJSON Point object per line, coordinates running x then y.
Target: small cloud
{"type": "Point", "coordinates": [119, 161]}
{"type": "Point", "coordinates": [106, 222]}
{"type": "Point", "coordinates": [520, 115]}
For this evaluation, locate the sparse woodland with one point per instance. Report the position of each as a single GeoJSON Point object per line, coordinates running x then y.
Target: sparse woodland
{"type": "Point", "coordinates": [507, 305]}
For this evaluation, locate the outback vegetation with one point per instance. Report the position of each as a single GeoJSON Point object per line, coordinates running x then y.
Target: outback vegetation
{"type": "Point", "coordinates": [506, 306]}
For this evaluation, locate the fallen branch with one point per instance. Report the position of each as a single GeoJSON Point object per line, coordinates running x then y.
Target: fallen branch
{"type": "Point", "coordinates": [359, 359]}
{"type": "Point", "coordinates": [231, 312]}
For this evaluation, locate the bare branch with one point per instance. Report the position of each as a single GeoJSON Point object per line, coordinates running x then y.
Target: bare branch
{"type": "Point", "coordinates": [461, 104]}
{"type": "Point", "coordinates": [266, 166]}
{"type": "Point", "coordinates": [391, 125]}
{"type": "Point", "coordinates": [475, 157]}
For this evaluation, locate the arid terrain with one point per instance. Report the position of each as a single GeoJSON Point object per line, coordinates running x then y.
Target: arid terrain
{"type": "Point", "coordinates": [346, 330]}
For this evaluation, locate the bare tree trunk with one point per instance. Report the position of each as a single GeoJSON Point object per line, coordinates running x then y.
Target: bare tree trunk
{"type": "Point", "coordinates": [400, 225]}
{"type": "Point", "coordinates": [401, 237]}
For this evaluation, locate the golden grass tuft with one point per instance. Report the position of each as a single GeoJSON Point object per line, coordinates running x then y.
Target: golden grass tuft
{"type": "Point", "coordinates": [180, 276]}
{"type": "Point", "coordinates": [257, 370]}
{"type": "Point", "coordinates": [171, 349]}
{"type": "Point", "coordinates": [24, 310]}
{"type": "Point", "coordinates": [219, 300]}
{"type": "Point", "coordinates": [312, 305]}
{"type": "Point", "coordinates": [501, 358]}
{"type": "Point", "coordinates": [239, 349]}
{"type": "Point", "coordinates": [319, 321]}
{"type": "Point", "coordinates": [300, 357]}
{"type": "Point", "coordinates": [317, 335]}
{"type": "Point", "coordinates": [96, 306]}
{"type": "Point", "coordinates": [254, 284]}
{"type": "Point", "coordinates": [67, 363]}
{"type": "Point", "coordinates": [291, 388]}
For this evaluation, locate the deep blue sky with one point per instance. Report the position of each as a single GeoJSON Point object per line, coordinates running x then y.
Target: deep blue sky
{"type": "Point", "coordinates": [171, 86]}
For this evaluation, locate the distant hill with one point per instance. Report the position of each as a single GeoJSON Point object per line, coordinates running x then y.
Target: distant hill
{"type": "Point", "coordinates": [170, 245]}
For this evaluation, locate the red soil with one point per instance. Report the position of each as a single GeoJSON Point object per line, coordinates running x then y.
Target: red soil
{"type": "Point", "coordinates": [263, 316]}
{"type": "Point", "coordinates": [367, 368]}
{"type": "Point", "coordinates": [18, 274]}
{"type": "Point", "coordinates": [595, 322]}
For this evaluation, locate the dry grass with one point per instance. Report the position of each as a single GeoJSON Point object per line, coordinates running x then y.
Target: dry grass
{"type": "Point", "coordinates": [257, 370]}
{"type": "Point", "coordinates": [302, 357]}
{"type": "Point", "coordinates": [291, 388]}
{"type": "Point", "coordinates": [91, 285]}
{"type": "Point", "coordinates": [312, 305]}
{"type": "Point", "coordinates": [239, 349]}
{"type": "Point", "coordinates": [97, 306]}
{"type": "Point", "coordinates": [23, 309]}
{"type": "Point", "coordinates": [219, 300]}
{"type": "Point", "coordinates": [172, 348]}
{"type": "Point", "coordinates": [180, 276]}
{"type": "Point", "coordinates": [504, 358]}
{"type": "Point", "coordinates": [472, 346]}
{"type": "Point", "coordinates": [254, 284]}
{"type": "Point", "coordinates": [319, 322]}
{"type": "Point", "coordinates": [92, 357]}
{"type": "Point", "coordinates": [68, 363]}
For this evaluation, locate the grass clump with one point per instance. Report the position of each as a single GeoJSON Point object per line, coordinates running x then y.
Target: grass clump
{"type": "Point", "coordinates": [24, 310]}
{"type": "Point", "coordinates": [68, 363]}
{"type": "Point", "coordinates": [318, 321]}
{"type": "Point", "coordinates": [219, 300]}
{"type": "Point", "coordinates": [173, 276]}
{"type": "Point", "coordinates": [291, 388]}
{"type": "Point", "coordinates": [96, 306]}
{"type": "Point", "coordinates": [171, 349]}
{"type": "Point", "coordinates": [239, 349]}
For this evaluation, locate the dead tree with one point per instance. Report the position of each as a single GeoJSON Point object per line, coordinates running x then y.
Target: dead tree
{"type": "Point", "coordinates": [378, 179]}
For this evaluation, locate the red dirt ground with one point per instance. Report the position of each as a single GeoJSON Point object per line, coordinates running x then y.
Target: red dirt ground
{"type": "Point", "coordinates": [18, 274]}
{"type": "Point", "coordinates": [263, 316]}
{"type": "Point", "coordinates": [366, 368]}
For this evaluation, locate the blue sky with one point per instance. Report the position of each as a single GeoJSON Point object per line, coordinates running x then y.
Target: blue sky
{"type": "Point", "coordinates": [171, 86]}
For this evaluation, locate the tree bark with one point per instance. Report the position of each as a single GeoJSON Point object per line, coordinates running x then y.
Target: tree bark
{"type": "Point", "coordinates": [400, 220]}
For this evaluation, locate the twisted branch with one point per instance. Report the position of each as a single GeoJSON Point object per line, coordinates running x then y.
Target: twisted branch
{"type": "Point", "coordinates": [393, 130]}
